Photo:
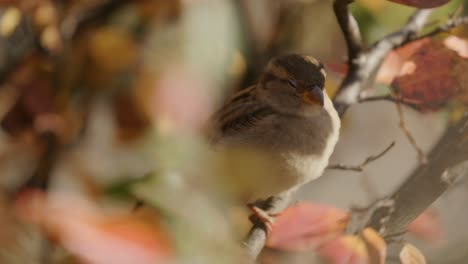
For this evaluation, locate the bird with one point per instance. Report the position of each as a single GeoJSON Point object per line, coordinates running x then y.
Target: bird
{"type": "Point", "coordinates": [288, 117]}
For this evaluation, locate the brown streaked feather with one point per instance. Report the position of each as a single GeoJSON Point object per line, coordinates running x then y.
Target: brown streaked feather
{"type": "Point", "coordinates": [242, 111]}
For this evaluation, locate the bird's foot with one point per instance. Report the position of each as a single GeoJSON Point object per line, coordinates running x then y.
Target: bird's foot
{"type": "Point", "coordinates": [261, 216]}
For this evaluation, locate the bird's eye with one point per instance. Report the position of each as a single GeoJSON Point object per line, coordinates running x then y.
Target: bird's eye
{"type": "Point", "coordinates": [293, 83]}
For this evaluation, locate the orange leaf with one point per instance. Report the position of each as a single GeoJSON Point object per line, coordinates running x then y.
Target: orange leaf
{"type": "Point", "coordinates": [376, 246]}
{"type": "Point", "coordinates": [345, 250]}
{"type": "Point", "coordinates": [366, 247]}
{"type": "Point", "coordinates": [92, 235]}
{"type": "Point", "coordinates": [306, 226]}
{"type": "Point", "coordinates": [427, 226]}
{"type": "Point", "coordinates": [421, 3]}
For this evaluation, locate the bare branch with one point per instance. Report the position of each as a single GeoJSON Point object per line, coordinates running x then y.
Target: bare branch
{"type": "Point", "coordinates": [360, 168]}
{"type": "Point", "coordinates": [363, 74]}
{"type": "Point", "coordinates": [390, 98]}
{"type": "Point", "coordinates": [257, 236]}
{"type": "Point", "coordinates": [425, 184]}
{"type": "Point", "coordinates": [453, 22]}
{"type": "Point", "coordinates": [350, 29]}
{"type": "Point", "coordinates": [421, 156]}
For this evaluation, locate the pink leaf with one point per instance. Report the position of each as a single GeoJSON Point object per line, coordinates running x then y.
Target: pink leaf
{"type": "Point", "coordinates": [427, 226]}
{"type": "Point", "coordinates": [92, 235]}
{"type": "Point", "coordinates": [365, 248]}
{"type": "Point", "coordinates": [306, 226]}
{"type": "Point", "coordinates": [345, 250]}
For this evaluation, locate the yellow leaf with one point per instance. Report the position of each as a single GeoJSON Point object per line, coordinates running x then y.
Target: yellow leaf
{"type": "Point", "coordinates": [9, 21]}
{"type": "Point", "coordinates": [411, 255]}
{"type": "Point", "coordinates": [376, 246]}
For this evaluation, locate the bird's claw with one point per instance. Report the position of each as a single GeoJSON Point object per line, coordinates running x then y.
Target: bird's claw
{"type": "Point", "coordinates": [260, 215]}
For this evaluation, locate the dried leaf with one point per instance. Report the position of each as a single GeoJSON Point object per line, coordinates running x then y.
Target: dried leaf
{"type": "Point", "coordinates": [427, 226]}
{"type": "Point", "coordinates": [93, 235]}
{"type": "Point", "coordinates": [427, 77]}
{"type": "Point", "coordinates": [345, 250]}
{"type": "Point", "coordinates": [376, 246]}
{"type": "Point", "coordinates": [307, 226]}
{"type": "Point", "coordinates": [421, 3]}
{"type": "Point", "coordinates": [411, 255]}
{"type": "Point", "coordinates": [392, 64]}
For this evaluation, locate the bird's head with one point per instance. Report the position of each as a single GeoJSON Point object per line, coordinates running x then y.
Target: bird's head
{"type": "Point", "coordinates": [293, 83]}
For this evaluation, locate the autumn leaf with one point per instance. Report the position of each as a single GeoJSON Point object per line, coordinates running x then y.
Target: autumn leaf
{"type": "Point", "coordinates": [393, 62]}
{"type": "Point", "coordinates": [306, 226]}
{"type": "Point", "coordinates": [411, 255]}
{"type": "Point", "coordinates": [376, 245]}
{"type": "Point", "coordinates": [427, 227]}
{"type": "Point", "coordinates": [421, 3]}
{"type": "Point", "coordinates": [93, 235]}
{"type": "Point", "coordinates": [457, 44]}
{"type": "Point", "coordinates": [428, 76]}
{"type": "Point", "coordinates": [345, 250]}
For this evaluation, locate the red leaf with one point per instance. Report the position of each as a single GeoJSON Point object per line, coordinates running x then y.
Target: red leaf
{"type": "Point", "coordinates": [427, 226]}
{"type": "Point", "coordinates": [306, 226]}
{"type": "Point", "coordinates": [392, 64]}
{"type": "Point", "coordinates": [427, 77]}
{"type": "Point", "coordinates": [421, 3]}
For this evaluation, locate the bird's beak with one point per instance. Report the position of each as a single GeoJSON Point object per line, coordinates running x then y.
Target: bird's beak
{"type": "Point", "coordinates": [313, 96]}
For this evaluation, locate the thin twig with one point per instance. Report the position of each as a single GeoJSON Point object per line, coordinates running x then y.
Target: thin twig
{"type": "Point", "coordinates": [360, 168]}
{"type": "Point", "coordinates": [453, 22]}
{"type": "Point", "coordinates": [390, 98]}
{"type": "Point", "coordinates": [421, 156]}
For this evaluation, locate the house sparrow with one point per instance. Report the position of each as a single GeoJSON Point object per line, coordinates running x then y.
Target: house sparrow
{"type": "Point", "coordinates": [287, 116]}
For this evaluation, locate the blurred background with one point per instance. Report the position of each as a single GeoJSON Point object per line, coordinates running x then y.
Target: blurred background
{"type": "Point", "coordinates": [103, 105]}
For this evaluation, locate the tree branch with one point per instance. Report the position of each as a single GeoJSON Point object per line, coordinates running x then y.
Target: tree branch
{"type": "Point", "coordinates": [350, 29]}
{"type": "Point", "coordinates": [428, 181]}
{"type": "Point", "coordinates": [453, 22]}
{"type": "Point", "coordinates": [257, 236]}
{"type": "Point", "coordinates": [425, 184]}
{"type": "Point", "coordinates": [390, 98]}
{"type": "Point", "coordinates": [360, 167]}
{"type": "Point", "coordinates": [421, 156]}
{"type": "Point", "coordinates": [364, 68]}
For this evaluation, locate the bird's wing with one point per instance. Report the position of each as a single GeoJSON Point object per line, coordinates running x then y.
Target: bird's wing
{"type": "Point", "coordinates": [240, 113]}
